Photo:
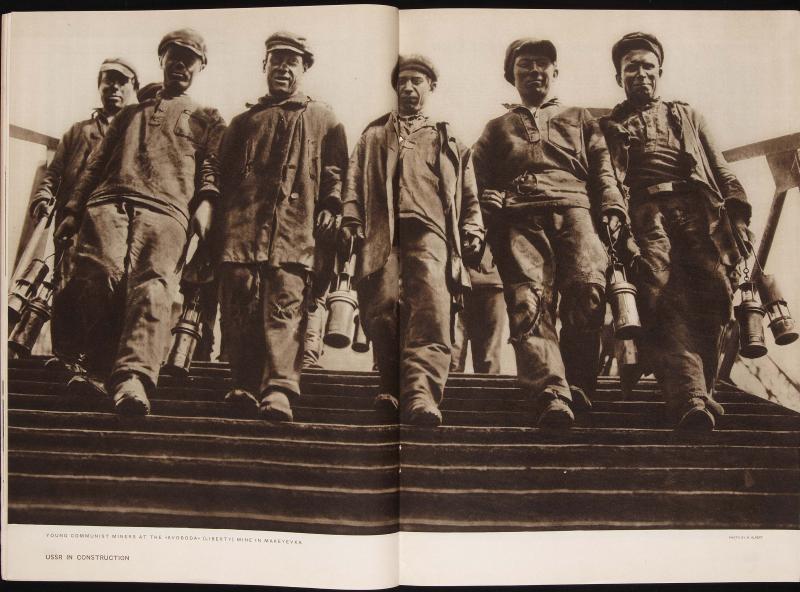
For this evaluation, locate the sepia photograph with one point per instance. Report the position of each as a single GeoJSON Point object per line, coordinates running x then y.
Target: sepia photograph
{"type": "Point", "coordinates": [417, 286]}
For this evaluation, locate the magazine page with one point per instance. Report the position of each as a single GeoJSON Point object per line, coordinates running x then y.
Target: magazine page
{"type": "Point", "coordinates": [122, 190]}
{"type": "Point", "coordinates": [543, 472]}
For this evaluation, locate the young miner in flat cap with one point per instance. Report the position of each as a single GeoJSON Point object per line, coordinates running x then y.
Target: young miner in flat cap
{"type": "Point", "coordinates": [152, 182]}
{"type": "Point", "coordinates": [282, 165]}
{"type": "Point", "coordinates": [685, 207]}
{"type": "Point", "coordinates": [411, 207]}
{"type": "Point", "coordinates": [546, 180]}
{"type": "Point", "coordinates": [117, 84]}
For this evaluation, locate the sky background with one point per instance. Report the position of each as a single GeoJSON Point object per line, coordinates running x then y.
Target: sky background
{"type": "Point", "coordinates": [741, 70]}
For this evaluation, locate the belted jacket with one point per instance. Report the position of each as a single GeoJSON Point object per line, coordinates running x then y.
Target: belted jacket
{"type": "Point", "coordinates": [161, 153]}
{"type": "Point", "coordinates": [282, 163]}
{"type": "Point", "coordinates": [708, 170]}
{"type": "Point", "coordinates": [70, 159]}
{"type": "Point", "coordinates": [553, 156]}
{"type": "Point", "coordinates": [368, 197]}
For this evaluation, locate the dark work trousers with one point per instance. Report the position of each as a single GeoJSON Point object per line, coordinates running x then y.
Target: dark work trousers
{"type": "Point", "coordinates": [125, 269]}
{"type": "Point", "coordinates": [480, 325]}
{"type": "Point", "coordinates": [406, 314]}
{"type": "Point", "coordinates": [64, 332]}
{"type": "Point", "coordinates": [540, 256]}
{"type": "Point", "coordinates": [684, 294]}
{"type": "Point", "coordinates": [263, 321]}
{"type": "Point", "coordinates": [315, 331]}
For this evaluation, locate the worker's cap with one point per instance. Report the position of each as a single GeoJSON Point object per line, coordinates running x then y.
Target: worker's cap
{"type": "Point", "coordinates": [188, 38]}
{"type": "Point", "coordinates": [415, 62]}
{"type": "Point", "coordinates": [291, 42]}
{"type": "Point", "coordinates": [636, 40]}
{"type": "Point", "coordinates": [543, 47]}
{"type": "Point", "coordinates": [121, 66]}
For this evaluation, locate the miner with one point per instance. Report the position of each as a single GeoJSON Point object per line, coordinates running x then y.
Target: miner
{"type": "Point", "coordinates": [152, 182]}
{"type": "Point", "coordinates": [282, 166]}
{"type": "Point", "coordinates": [411, 212]}
{"type": "Point", "coordinates": [117, 84]}
{"type": "Point", "coordinates": [547, 185]}
{"type": "Point", "coordinates": [686, 210]}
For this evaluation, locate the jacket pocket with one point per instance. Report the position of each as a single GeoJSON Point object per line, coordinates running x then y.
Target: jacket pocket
{"type": "Point", "coordinates": [192, 126]}
{"type": "Point", "coordinates": [566, 135]}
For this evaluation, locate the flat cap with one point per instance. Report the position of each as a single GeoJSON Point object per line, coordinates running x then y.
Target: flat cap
{"type": "Point", "coordinates": [544, 47]}
{"type": "Point", "coordinates": [636, 40]}
{"type": "Point", "coordinates": [414, 62]}
{"type": "Point", "coordinates": [119, 65]}
{"type": "Point", "coordinates": [188, 38]}
{"type": "Point", "coordinates": [292, 42]}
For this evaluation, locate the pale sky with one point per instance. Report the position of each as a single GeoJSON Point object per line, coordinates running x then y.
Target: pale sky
{"type": "Point", "coordinates": [740, 69]}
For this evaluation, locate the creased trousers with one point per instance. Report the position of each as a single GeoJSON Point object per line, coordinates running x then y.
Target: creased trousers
{"type": "Point", "coordinates": [540, 256]}
{"type": "Point", "coordinates": [480, 325]}
{"type": "Point", "coordinates": [263, 321]}
{"type": "Point", "coordinates": [125, 270]}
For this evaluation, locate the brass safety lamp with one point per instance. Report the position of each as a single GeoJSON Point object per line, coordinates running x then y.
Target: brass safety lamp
{"type": "Point", "coordinates": [341, 303]}
{"type": "Point", "coordinates": [622, 296]}
{"type": "Point", "coordinates": [36, 313]}
{"type": "Point", "coordinates": [360, 339]}
{"type": "Point", "coordinates": [781, 322]}
{"type": "Point", "coordinates": [186, 336]}
{"type": "Point", "coordinates": [24, 289]}
{"type": "Point", "coordinates": [750, 315]}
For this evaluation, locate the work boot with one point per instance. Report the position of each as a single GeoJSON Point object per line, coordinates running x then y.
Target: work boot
{"type": "Point", "coordinates": [56, 365]}
{"type": "Point", "coordinates": [421, 410]}
{"type": "Point", "coordinates": [242, 400]}
{"type": "Point", "coordinates": [695, 417]}
{"type": "Point", "coordinates": [581, 403]}
{"type": "Point", "coordinates": [555, 413]}
{"type": "Point", "coordinates": [130, 396]}
{"type": "Point", "coordinates": [386, 403]}
{"type": "Point", "coordinates": [84, 385]}
{"type": "Point", "coordinates": [275, 406]}
{"type": "Point", "coordinates": [714, 407]}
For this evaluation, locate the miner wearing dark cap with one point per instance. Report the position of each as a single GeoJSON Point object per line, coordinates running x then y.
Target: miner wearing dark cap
{"type": "Point", "coordinates": [283, 160]}
{"type": "Point", "coordinates": [546, 185]}
{"type": "Point", "coordinates": [411, 209]}
{"type": "Point", "coordinates": [686, 208]}
{"type": "Point", "coordinates": [152, 182]}
{"type": "Point", "coordinates": [117, 84]}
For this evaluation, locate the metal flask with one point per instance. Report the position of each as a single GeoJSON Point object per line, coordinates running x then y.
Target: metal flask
{"type": "Point", "coordinates": [781, 322]}
{"type": "Point", "coordinates": [750, 315]}
{"type": "Point", "coordinates": [342, 304]}
{"type": "Point", "coordinates": [360, 339]}
{"type": "Point", "coordinates": [34, 316]}
{"type": "Point", "coordinates": [186, 336]}
{"type": "Point", "coordinates": [24, 288]}
{"type": "Point", "coordinates": [622, 296]}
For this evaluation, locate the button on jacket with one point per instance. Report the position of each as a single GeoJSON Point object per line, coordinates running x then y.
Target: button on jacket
{"type": "Point", "coordinates": [282, 163]}
{"type": "Point", "coordinates": [159, 153]}
{"type": "Point", "coordinates": [553, 156]}
{"type": "Point", "coordinates": [70, 159]}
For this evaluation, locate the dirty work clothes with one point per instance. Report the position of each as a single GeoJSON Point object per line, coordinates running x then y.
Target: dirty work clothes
{"type": "Point", "coordinates": [282, 163]}
{"type": "Point", "coordinates": [553, 156]}
{"type": "Point", "coordinates": [160, 153]}
{"type": "Point", "coordinates": [406, 313]}
{"type": "Point", "coordinates": [684, 294]}
{"type": "Point", "coordinates": [127, 262]}
{"type": "Point", "coordinates": [315, 331]}
{"type": "Point", "coordinates": [263, 324]}
{"type": "Point", "coordinates": [480, 325]}
{"type": "Point", "coordinates": [540, 256]}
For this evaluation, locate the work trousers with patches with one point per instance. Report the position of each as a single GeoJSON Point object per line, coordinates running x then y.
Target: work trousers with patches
{"type": "Point", "coordinates": [118, 296]}
{"type": "Point", "coordinates": [539, 256]}
{"type": "Point", "coordinates": [406, 308]}
{"type": "Point", "coordinates": [684, 294]}
{"type": "Point", "coordinates": [480, 325]}
{"type": "Point", "coordinates": [263, 320]}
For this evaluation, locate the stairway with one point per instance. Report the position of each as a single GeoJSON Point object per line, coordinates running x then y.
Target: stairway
{"type": "Point", "coordinates": [195, 462]}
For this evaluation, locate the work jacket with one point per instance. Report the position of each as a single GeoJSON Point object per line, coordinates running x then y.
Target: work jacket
{"type": "Point", "coordinates": [555, 156]}
{"type": "Point", "coordinates": [709, 173]}
{"type": "Point", "coordinates": [69, 161]}
{"type": "Point", "coordinates": [282, 163]}
{"type": "Point", "coordinates": [160, 153]}
{"type": "Point", "coordinates": [368, 197]}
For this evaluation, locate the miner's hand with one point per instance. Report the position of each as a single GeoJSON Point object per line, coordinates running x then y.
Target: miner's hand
{"type": "Point", "coordinates": [67, 228]}
{"type": "Point", "coordinates": [492, 200]}
{"type": "Point", "coordinates": [325, 226]}
{"type": "Point", "coordinates": [612, 223]}
{"type": "Point", "coordinates": [352, 234]}
{"type": "Point", "coordinates": [201, 220]}
{"type": "Point", "coordinates": [40, 208]}
{"type": "Point", "coordinates": [471, 247]}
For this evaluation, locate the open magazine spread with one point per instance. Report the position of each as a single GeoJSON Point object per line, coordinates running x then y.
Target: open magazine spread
{"type": "Point", "coordinates": [354, 297]}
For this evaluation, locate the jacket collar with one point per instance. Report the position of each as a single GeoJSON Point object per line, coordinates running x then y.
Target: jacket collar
{"type": "Point", "coordinates": [298, 99]}
{"type": "Point", "coordinates": [515, 106]}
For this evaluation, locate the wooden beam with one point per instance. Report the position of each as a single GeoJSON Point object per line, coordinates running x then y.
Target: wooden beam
{"type": "Point", "coordinates": [21, 133]}
{"type": "Point", "coordinates": [765, 148]}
